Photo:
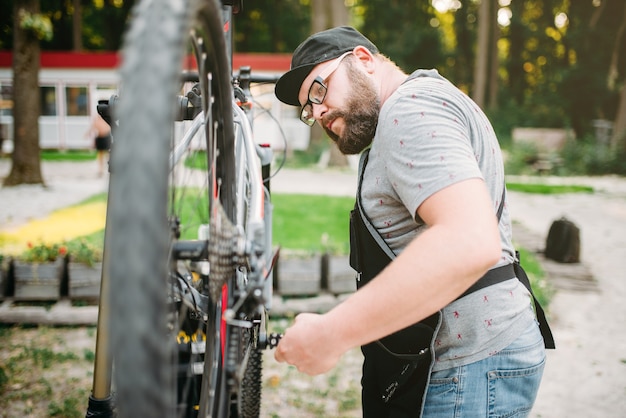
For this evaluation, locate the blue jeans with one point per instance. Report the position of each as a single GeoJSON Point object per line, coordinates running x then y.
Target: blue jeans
{"type": "Point", "coordinates": [502, 385]}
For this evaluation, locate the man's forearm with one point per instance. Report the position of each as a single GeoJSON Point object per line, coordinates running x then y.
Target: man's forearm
{"type": "Point", "coordinates": [433, 270]}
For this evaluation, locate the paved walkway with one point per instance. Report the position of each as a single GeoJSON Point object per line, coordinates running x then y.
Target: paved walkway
{"type": "Point", "coordinates": [585, 376]}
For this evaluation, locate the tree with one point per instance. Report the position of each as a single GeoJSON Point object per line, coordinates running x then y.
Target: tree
{"type": "Point", "coordinates": [461, 59]}
{"type": "Point", "coordinates": [404, 31]}
{"type": "Point", "coordinates": [271, 25]}
{"type": "Point", "coordinates": [29, 27]}
{"type": "Point", "coordinates": [482, 53]}
{"type": "Point", "coordinates": [77, 25]}
{"type": "Point", "coordinates": [591, 38]}
{"type": "Point", "coordinates": [515, 65]}
{"type": "Point", "coordinates": [327, 14]}
{"type": "Point", "coordinates": [495, 59]}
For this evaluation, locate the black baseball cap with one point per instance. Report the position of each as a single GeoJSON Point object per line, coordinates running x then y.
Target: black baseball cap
{"type": "Point", "coordinates": [317, 48]}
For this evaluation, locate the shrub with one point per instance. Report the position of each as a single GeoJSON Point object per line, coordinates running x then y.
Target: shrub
{"type": "Point", "coordinates": [81, 251]}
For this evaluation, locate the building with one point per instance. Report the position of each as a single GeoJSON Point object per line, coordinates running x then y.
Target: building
{"type": "Point", "coordinates": [71, 83]}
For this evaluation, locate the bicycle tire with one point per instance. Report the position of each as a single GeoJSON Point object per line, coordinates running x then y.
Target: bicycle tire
{"type": "Point", "coordinates": [138, 241]}
{"type": "Point", "coordinates": [251, 386]}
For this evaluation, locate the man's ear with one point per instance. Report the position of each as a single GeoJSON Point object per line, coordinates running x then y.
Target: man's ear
{"type": "Point", "coordinates": [365, 58]}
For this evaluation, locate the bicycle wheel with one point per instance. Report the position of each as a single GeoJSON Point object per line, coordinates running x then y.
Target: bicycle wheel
{"type": "Point", "coordinates": [153, 376]}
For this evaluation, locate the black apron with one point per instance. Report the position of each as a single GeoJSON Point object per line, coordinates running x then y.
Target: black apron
{"type": "Point", "coordinates": [396, 368]}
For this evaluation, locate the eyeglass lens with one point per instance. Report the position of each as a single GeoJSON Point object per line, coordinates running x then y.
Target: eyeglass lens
{"type": "Point", "coordinates": [317, 93]}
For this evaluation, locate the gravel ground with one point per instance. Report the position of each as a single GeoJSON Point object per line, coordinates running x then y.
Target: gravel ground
{"type": "Point", "coordinates": [584, 377]}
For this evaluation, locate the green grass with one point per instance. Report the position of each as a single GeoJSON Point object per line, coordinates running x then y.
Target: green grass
{"type": "Point", "coordinates": [541, 288]}
{"type": "Point", "coordinates": [301, 222]}
{"type": "Point", "coordinates": [197, 160]}
{"type": "Point", "coordinates": [547, 188]}
{"type": "Point", "coordinates": [68, 155]}
{"type": "Point", "coordinates": [312, 223]}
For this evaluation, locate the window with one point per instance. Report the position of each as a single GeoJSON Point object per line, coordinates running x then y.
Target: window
{"type": "Point", "coordinates": [76, 101]}
{"type": "Point", "coordinates": [6, 99]}
{"type": "Point", "coordinates": [48, 101]}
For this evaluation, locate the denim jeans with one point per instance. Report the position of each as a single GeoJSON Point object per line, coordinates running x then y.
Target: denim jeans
{"type": "Point", "coordinates": [502, 385]}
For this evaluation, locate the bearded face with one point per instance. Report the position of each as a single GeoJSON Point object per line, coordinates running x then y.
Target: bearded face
{"type": "Point", "coordinates": [360, 114]}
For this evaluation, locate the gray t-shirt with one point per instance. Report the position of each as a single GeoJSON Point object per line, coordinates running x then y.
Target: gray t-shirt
{"type": "Point", "coordinates": [431, 135]}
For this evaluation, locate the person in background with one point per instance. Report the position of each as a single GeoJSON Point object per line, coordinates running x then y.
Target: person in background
{"type": "Point", "coordinates": [445, 326]}
{"type": "Point", "coordinates": [100, 133]}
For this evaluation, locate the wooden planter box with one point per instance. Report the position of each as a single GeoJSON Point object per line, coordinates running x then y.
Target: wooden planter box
{"type": "Point", "coordinates": [84, 280]}
{"type": "Point", "coordinates": [38, 281]}
{"type": "Point", "coordinates": [341, 277]}
{"type": "Point", "coordinates": [297, 276]}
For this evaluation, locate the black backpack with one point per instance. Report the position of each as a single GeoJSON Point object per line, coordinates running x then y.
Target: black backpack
{"type": "Point", "coordinates": [563, 242]}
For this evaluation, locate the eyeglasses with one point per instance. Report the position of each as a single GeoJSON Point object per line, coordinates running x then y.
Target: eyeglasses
{"type": "Point", "coordinates": [317, 91]}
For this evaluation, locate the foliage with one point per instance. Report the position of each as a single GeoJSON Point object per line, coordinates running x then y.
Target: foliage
{"type": "Point", "coordinates": [545, 114]}
{"type": "Point", "coordinates": [43, 253]}
{"type": "Point", "coordinates": [82, 251]}
{"type": "Point", "coordinates": [521, 159]}
{"type": "Point", "coordinates": [404, 31]}
{"type": "Point", "coordinates": [587, 157]}
{"type": "Point", "coordinates": [36, 24]}
{"type": "Point", "coordinates": [270, 26]}
{"type": "Point", "coordinates": [578, 157]}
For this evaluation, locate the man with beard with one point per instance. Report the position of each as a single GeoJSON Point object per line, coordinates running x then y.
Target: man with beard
{"type": "Point", "coordinates": [445, 326]}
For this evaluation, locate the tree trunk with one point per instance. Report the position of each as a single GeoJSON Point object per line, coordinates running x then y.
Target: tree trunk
{"type": "Point", "coordinates": [77, 26]}
{"type": "Point", "coordinates": [25, 168]}
{"type": "Point", "coordinates": [482, 53]}
{"type": "Point", "coordinates": [495, 59]}
{"type": "Point", "coordinates": [319, 15]}
{"type": "Point", "coordinates": [326, 14]}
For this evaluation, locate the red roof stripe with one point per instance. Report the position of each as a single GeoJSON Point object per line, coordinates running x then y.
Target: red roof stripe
{"type": "Point", "coordinates": [104, 60]}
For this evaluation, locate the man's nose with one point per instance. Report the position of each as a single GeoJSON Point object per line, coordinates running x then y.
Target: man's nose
{"type": "Point", "coordinates": [319, 110]}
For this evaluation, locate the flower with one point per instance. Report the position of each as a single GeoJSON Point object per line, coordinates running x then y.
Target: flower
{"type": "Point", "coordinates": [42, 253]}
{"type": "Point", "coordinates": [81, 251]}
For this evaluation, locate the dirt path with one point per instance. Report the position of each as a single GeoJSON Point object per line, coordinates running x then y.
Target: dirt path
{"type": "Point", "coordinates": [586, 375]}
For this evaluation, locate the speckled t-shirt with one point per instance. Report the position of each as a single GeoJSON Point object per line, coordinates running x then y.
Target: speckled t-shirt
{"type": "Point", "coordinates": [431, 135]}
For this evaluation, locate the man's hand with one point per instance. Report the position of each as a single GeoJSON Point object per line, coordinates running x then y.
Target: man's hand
{"type": "Point", "coordinates": [309, 345]}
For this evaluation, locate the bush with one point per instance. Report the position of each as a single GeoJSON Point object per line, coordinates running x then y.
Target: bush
{"type": "Point", "coordinates": [587, 157]}
{"type": "Point", "coordinates": [579, 157]}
